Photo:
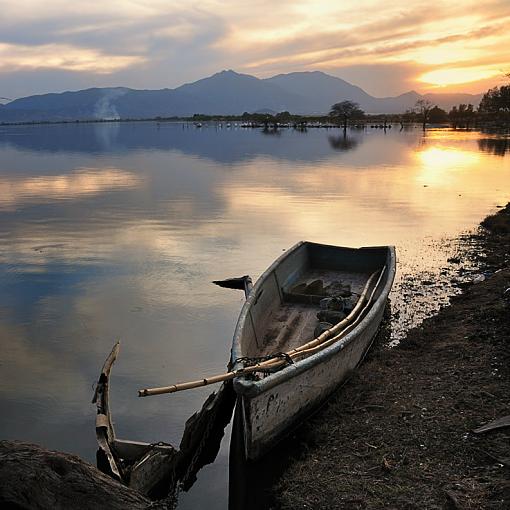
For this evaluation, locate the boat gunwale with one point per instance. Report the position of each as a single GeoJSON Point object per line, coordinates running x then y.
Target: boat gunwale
{"type": "Point", "coordinates": [252, 388]}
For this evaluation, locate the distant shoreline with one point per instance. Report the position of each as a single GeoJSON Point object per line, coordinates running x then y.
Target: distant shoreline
{"type": "Point", "coordinates": [262, 120]}
{"type": "Point", "coordinates": [281, 120]}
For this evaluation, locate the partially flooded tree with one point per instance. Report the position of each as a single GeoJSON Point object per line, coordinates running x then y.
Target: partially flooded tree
{"type": "Point", "coordinates": [463, 114]}
{"type": "Point", "coordinates": [407, 117]}
{"type": "Point", "coordinates": [423, 108]}
{"type": "Point", "coordinates": [346, 110]}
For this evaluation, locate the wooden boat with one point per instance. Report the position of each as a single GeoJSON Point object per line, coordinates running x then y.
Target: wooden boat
{"type": "Point", "coordinates": [280, 316]}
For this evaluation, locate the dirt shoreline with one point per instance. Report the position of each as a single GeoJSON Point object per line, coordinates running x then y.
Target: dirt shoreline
{"type": "Point", "coordinates": [398, 434]}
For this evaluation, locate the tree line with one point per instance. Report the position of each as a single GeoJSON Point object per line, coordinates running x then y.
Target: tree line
{"type": "Point", "coordinates": [494, 107]}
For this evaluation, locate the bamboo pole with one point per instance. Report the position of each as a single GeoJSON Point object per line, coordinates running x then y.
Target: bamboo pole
{"type": "Point", "coordinates": [325, 339]}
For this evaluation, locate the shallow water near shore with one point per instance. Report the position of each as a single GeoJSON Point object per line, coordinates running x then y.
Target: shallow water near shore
{"type": "Point", "coordinates": [115, 231]}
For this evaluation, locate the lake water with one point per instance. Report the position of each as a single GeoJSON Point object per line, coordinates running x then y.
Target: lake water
{"type": "Point", "coordinates": [115, 231]}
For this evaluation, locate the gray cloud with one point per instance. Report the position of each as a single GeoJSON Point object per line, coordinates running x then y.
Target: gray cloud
{"type": "Point", "coordinates": [116, 35]}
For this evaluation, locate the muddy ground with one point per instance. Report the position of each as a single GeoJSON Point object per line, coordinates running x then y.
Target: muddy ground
{"type": "Point", "coordinates": [398, 434]}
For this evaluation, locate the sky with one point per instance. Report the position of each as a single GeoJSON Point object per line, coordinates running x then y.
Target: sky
{"type": "Point", "coordinates": [387, 48]}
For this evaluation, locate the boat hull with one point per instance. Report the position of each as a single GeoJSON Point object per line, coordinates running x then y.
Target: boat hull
{"type": "Point", "coordinates": [270, 408]}
{"type": "Point", "coordinates": [272, 414]}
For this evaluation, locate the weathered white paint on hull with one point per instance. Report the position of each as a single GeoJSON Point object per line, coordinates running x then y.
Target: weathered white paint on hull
{"type": "Point", "coordinates": [270, 415]}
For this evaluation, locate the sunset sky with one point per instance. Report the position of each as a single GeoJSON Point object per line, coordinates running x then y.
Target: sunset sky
{"type": "Point", "coordinates": [386, 48]}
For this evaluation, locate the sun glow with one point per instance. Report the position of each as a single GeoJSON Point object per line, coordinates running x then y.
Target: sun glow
{"type": "Point", "coordinates": [447, 158]}
{"type": "Point", "coordinates": [457, 76]}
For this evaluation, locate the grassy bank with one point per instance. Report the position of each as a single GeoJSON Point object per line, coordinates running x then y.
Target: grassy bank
{"type": "Point", "coordinates": [398, 435]}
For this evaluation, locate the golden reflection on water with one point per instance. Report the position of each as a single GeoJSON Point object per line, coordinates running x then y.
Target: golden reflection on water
{"type": "Point", "coordinates": [432, 194]}
{"type": "Point", "coordinates": [78, 184]}
{"type": "Point", "coordinates": [441, 159]}
{"type": "Point", "coordinates": [449, 168]}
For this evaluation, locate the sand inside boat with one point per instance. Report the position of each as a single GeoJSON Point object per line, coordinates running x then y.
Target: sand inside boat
{"type": "Point", "coordinates": [293, 322]}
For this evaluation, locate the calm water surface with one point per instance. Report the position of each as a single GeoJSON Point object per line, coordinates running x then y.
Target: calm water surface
{"type": "Point", "coordinates": [115, 231]}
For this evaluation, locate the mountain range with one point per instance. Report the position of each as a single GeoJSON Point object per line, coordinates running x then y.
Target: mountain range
{"type": "Point", "coordinates": [224, 93]}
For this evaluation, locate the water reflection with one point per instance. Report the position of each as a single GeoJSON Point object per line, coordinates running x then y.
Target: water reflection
{"type": "Point", "coordinates": [440, 166]}
{"type": "Point", "coordinates": [80, 183]}
{"type": "Point", "coordinates": [447, 158]}
{"type": "Point", "coordinates": [496, 146]}
{"type": "Point", "coordinates": [343, 142]}
{"type": "Point", "coordinates": [115, 231]}
{"type": "Point", "coordinates": [244, 144]}
{"type": "Point", "coordinates": [272, 131]}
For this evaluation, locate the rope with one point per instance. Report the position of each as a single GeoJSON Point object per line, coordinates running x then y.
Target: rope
{"type": "Point", "coordinates": [161, 443]}
{"type": "Point", "coordinates": [248, 361]}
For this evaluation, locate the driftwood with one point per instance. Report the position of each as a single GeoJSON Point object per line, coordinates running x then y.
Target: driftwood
{"type": "Point", "coordinates": [34, 478]}
{"type": "Point", "coordinates": [105, 433]}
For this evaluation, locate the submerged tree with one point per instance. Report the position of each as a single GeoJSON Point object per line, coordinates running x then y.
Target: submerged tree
{"type": "Point", "coordinates": [423, 108]}
{"type": "Point", "coordinates": [464, 114]}
{"type": "Point", "coordinates": [346, 110]}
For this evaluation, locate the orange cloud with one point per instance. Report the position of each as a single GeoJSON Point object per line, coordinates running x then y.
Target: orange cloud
{"type": "Point", "coordinates": [432, 39]}
{"type": "Point", "coordinates": [140, 39]}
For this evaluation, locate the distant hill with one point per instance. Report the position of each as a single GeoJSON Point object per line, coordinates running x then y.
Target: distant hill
{"type": "Point", "coordinates": [446, 101]}
{"type": "Point", "coordinates": [227, 93]}
{"type": "Point", "coordinates": [318, 91]}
